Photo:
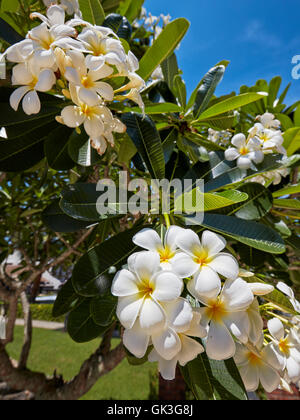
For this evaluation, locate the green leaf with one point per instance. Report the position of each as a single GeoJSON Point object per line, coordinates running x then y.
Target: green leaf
{"type": "Point", "coordinates": [259, 203]}
{"type": "Point", "coordinates": [81, 325]}
{"type": "Point", "coordinates": [66, 300]}
{"type": "Point", "coordinates": [207, 89]}
{"type": "Point", "coordinates": [179, 87]}
{"type": "Point", "coordinates": [143, 133]}
{"type": "Point", "coordinates": [230, 104]}
{"type": "Point", "coordinates": [92, 11]}
{"type": "Point", "coordinates": [292, 189]}
{"type": "Point", "coordinates": [21, 153]}
{"type": "Point", "coordinates": [161, 108]}
{"type": "Point", "coordinates": [56, 149]}
{"type": "Point", "coordinates": [170, 70]}
{"type": "Point", "coordinates": [209, 201]}
{"type": "Point", "coordinates": [251, 233]}
{"type": "Point", "coordinates": [127, 150]}
{"type": "Point", "coordinates": [58, 221]}
{"type": "Point", "coordinates": [81, 151]}
{"type": "Point", "coordinates": [163, 46]}
{"type": "Point", "coordinates": [8, 33]}
{"type": "Point", "coordinates": [214, 380]}
{"type": "Point", "coordinates": [131, 9]}
{"type": "Point", "coordinates": [292, 140]}
{"type": "Point", "coordinates": [91, 273]}
{"type": "Point", "coordinates": [287, 203]}
{"type": "Point", "coordinates": [297, 116]}
{"type": "Point", "coordinates": [120, 25]}
{"type": "Point", "coordinates": [103, 309]}
{"type": "Point", "coordinates": [274, 87]}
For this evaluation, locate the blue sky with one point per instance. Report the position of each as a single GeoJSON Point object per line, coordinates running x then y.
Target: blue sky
{"type": "Point", "coordinates": [259, 37]}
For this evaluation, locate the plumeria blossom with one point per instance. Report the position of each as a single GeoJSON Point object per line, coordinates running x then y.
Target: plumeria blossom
{"type": "Point", "coordinates": [91, 89]}
{"type": "Point", "coordinates": [98, 120]}
{"type": "Point", "coordinates": [204, 260]}
{"type": "Point", "coordinates": [257, 364]}
{"type": "Point", "coordinates": [268, 121]}
{"type": "Point", "coordinates": [31, 80]}
{"type": "Point", "coordinates": [271, 140]}
{"type": "Point", "coordinates": [149, 239]}
{"type": "Point", "coordinates": [288, 291]}
{"type": "Point", "coordinates": [225, 315]}
{"type": "Point", "coordinates": [188, 348]}
{"type": "Point", "coordinates": [273, 177]}
{"type": "Point", "coordinates": [286, 347]}
{"type": "Point", "coordinates": [245, 152]}
{"type": "Point", "coordinates": [141, 289]}
{"type": "Point", "coordinates": [220, 137]}
{"type": "Point", "coordinates": [71, 6]}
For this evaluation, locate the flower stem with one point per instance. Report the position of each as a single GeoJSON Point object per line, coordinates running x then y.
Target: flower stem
{"type": "Point", "coordinates": [167, 220]}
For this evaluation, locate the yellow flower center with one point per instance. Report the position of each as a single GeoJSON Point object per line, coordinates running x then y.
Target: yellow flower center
{"type": "Point", "coordinates": [88, 111]}
{"type": "Point", "coordinates": [284, 346]}
{"type": "Point", "coordinates": [99, 49]}
{"type": "Point", "coordinates": [264, 137]}
{"type": "Point", "coordinates": [47, 42]}
{"type": "Point", "coordinates": [33, 82]}
{"type": "Point", "coordinates": [166, 255]}
{"type": "Point", "coordinates": [87, 82]}
{"type": "Point", "coordinates": [254, 359]}
{"type": "Point", "coordinates": [244, 150]}
{"type": "Point", "coordinates": [146, 288]}
{"type": "Point", "coordinates": [216, 310]}
{"type": "Point", "coordinates": [201, 257]}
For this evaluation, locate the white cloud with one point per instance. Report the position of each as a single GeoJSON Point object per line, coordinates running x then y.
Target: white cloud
{"type": "Point", "coordinates": [256, 32]}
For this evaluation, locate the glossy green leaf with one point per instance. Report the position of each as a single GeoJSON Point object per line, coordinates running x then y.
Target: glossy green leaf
{"type": "Point", "coordinates": [119, 24]}
{"type": "Point", "coordinates": [258, 204]}
{"type": "Point", "coordinates": [103, 309]}
{"type": "Point", "coordinates": [56, 149]}
{"type": "Point", "coordinates": [292, 140]}
{"type": "Point", "coordinates": [67, 300]}
{"type": "Point", "coordinates": [81, 151]}
{"type": "Point", "coordinates": [170, 70]}
{"type": "Point", "coordinates": [292, 189]}
{"type": "Point", "coordinates": [163, 46]}
{"type": "Point", "coordinates": [143, 133]}
{"type": "Point", "coordinates": [179, 87]}
{"type": "Point", "coordinates": [286, 203]}
{"type": "Point", "coordinates": [92, 11]}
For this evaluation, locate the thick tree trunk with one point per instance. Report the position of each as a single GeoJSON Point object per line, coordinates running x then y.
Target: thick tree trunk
{"type": "Point", "coordinates": [172, 390]}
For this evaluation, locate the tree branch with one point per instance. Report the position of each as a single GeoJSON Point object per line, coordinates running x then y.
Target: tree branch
{"type": "Point", "coordinates": [27, 332]}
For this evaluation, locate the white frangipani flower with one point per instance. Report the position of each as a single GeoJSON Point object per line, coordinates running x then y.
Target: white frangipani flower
{"type": "Point", "coordinates": [91, 89]}
{"type": "Point", "coordinates": [268, 121]}
{"type": "Point", "coordinates": [286, 347]}
{"type": "Point", "coordinates": [188, 348]}
{"type": "Point", "coordinates": [273, 177]}
{"type": "Point", "coordinates": [288, 291]}
{"type": "Point", "coordinates": [270, 140]}
{"type": "Point", "coordinates": [257, 365]}
{"type": "Point", "coordinates": [141, 289]}
{"type": "Point", "coordinates": [225, 315]}
{"type": "Point", "coordinates": [245, 152]}
{"type": "Point", "coordinates": [20, 52]}
{"type": "Point", "coordinates": [32, 80]}
{"type": "Point", "coordinates": [70, 6]}
{"type": "Point", "coordinates": [149, 239]}
{"type": "Point", "coordinates": [204, 261]}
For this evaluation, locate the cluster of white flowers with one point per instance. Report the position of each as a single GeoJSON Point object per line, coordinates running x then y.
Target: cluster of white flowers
{"type": "Point", "coordinates": [264, 137]}
{"type": "Point", "coordinates": [71, 6]}
{"type": "Point", "coordinates": [220, 137]}
{"type": "Point", "coordinates": [77, 60]}
{"type": "Point", "coordinates": [155, 24]}
{"type": "Point", "coordinates": [163, 323]}
{"type": "Point", "coordinates": [271, 177]}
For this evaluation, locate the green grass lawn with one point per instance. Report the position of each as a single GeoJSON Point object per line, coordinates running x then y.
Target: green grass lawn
{"type": "Point", "coordinates": [55, 350]}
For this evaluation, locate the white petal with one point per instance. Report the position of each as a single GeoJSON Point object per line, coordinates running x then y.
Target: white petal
{"type": "Point", "coordinates": [105, 90]}
{"type": "Point", "coordinates": [146, 264]}
{"type": "Point", "coordinates": [195, 329]}
{"type": "Point", "coordinates": [189, 242]}
{"type": "Point", "coordinates": [293, 369]}
{"type": "Point", "coordinates": [148, 239]}
{"type": "Point", "coordinates": [269, 378]}
{"type": "Point", "coordinates": [99, 144]}
{"type": "Point", "coordinates": [226, 265]}
{"type": "Point", "coordinates": [94, 127]}
{"type": "Point", "coordinates": [152, 316]}
{"type": "Point", "coordinates": [21, 75]}
{"type": "Point", "coordinates": [239, 140]}
{"type": "Point", "coordinates": [231, 154]}
{"type": "Point", "coordinates": [189, 350]}
{"type": "Point", "coordinates": [212, 242]}
{"type": "Point", "coordinates": [72, 117]}
{"type": "Point", "coordinates": [102, 72]}
{"type": "Point", "coordinates": [167, 286]}
{"type": "Point", "coordinates": [166, 343]}
{"type": "Point", "coordinates": [72, 76]}
{"type": "Point", "coordinates": [88, 96]}
{"type": "Point", "coordinates": [31, 103]}
{"type": "Point", "coordinates": [44, 58]}
{"type": "Point", "coordinates": [167, 368]}
{"type": "Point", "coordinates": [244, 162]}
{"type": "Point", "coordinates": [128, 309]}
{"type": "Point", "coordinates": [207, 282]}
{"type": "Point", "coordinates": [220, 344]}
{"type": "Point", "coordinates": [238, 324]}
{"type": "Point", "coordinates": [56, 15]}
{"type": "Point", "coordinates": [171, 235]}
{"type": "Point", "coordinates": [276, 328]}
{"type": "Point", "coordinates": [179, 314]}
{"type": "Point", "coordinates": [125, 283]}
{"type": "Point", "coordinates": [237, 295]}
{"type": "Point", "coordinates": [184, 265]}
{"type": "Point", "coordinates": [46, 81]}
{"type": "Point", "coordinates": [17, 95]}
{"type": "Point", "coordinates": [136, 341]}
{"type": "Point", "coordinates": [261, 289]}
{"type": "Point", "coordinates": [250, 377]}
{"type": "Point", "coordinates": [95, 63]}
